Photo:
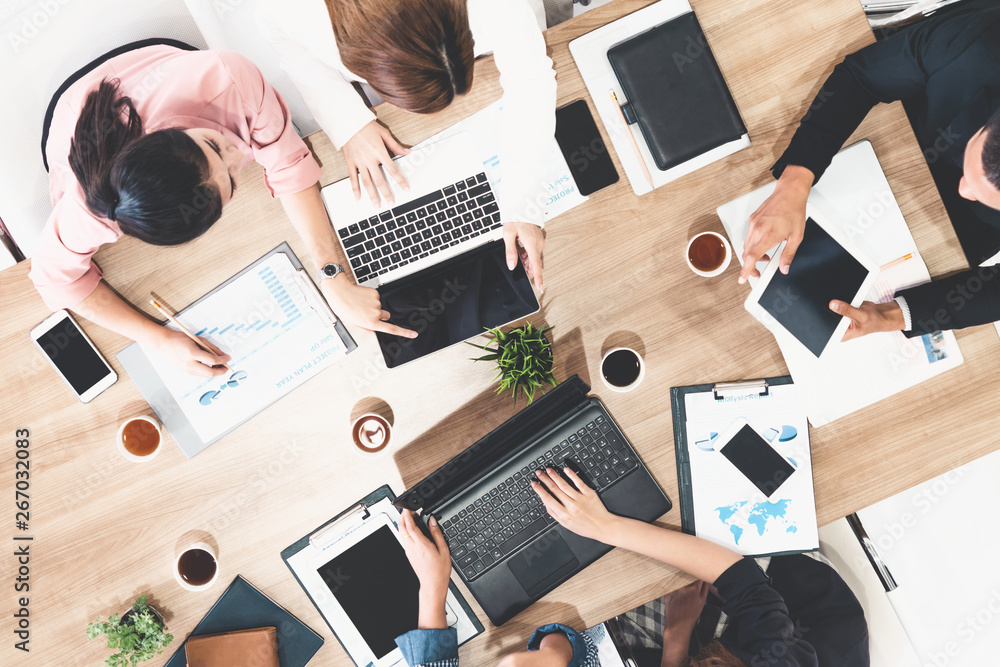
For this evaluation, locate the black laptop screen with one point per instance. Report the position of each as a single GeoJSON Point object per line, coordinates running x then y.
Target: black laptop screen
{"type": "Point", "coordinates": [454, 301]}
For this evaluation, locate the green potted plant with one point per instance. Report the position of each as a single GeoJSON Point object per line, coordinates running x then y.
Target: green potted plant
{"type": "Point", "coordinates": [139, 635]}
{"type": "Point", "coordinates": [523, 359]}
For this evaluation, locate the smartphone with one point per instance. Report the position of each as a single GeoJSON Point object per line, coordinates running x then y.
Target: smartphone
{"type": "Point", "coordinates": [754, 457]}
{"type": "Point", "coordinates": [73, 355]}
{"type": "Point", "coordinates": [584, 149]}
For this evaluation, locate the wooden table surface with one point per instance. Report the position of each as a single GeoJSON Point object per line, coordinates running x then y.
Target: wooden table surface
{"type": "Point", "coordinates": [106, 530]}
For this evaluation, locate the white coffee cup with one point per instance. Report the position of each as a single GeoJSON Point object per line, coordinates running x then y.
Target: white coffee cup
{"type": "Point", "coordinates": [177, 567]}
{"type": "Point", "coordinates": [120, 439]}
{"type": "Point", "coordinates": [371, 433]}
{"type": "Point", "coordinates": [725, 260]}
{"type": "Point", "coordinates": [640, 372]}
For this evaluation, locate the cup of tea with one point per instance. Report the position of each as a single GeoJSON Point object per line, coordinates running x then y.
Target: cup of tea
{"type": "Point", "coordinates": [622, 369]}
{"type": "Point", "coordinates": [196, 568]}
{"type": "Point", "coordinates": [371, 433]}
{"type": "Point", "coordinates": [708, 254]}
{"type": "Point", "coordinates": [139, 438]}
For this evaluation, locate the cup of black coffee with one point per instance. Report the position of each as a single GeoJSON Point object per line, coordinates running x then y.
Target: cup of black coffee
{"type": "Point", "coordinates": [196, 568]}
{"type": "Point", "coordinates": [622, 369]}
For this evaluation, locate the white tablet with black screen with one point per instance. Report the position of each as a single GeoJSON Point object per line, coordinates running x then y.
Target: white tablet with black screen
{"type": "Point", "coordinates": [827, 266]}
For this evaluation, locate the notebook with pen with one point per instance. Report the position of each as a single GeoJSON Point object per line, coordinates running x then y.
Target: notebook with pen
{"type": "Point", "coordinates": [675, 91]}
{"type": "Point", "coordinates": [721, 495]}
{"type": "Point", "coordinates": [354, 570]}
{"type": "Point", "coordinates": [277, 327]}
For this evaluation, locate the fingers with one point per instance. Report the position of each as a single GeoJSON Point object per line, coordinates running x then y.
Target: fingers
{"type": "Point", "coordinates": [219, 353]}
{"type": "Point", "coordinates": [393, 145]}
{"type": "Point", "coordinates": [380, 183]}
{"type": "Point", "coordinates": [194, 367]}
{"type": "Point", "coordinates": [577, 482]}
{"type": "Point", "coordinates": [510, 243]}
{"type": "Point", "coordinates": [791, 247]}
{"type": "Point", "coordinates": [533, 245]}
{"type": "Point", "coordinates": [551, 505]}
{"type": "Point", "coordinates": [404, 527]}
{"type": "Point", "coordinates": [753, 252]}
{"type": "Point", "coordinates": [549, 482]}
{"type": "Point", "coordinates": [396, 174]}
{"type": "Point", "coordinates": [366, 180]}
{"type": "Point", "coordinates": [438, 535]}
{"type": "Point", "coordinates": [563, 485]}
{"type": "Point", "coordinates": [847, 310]}
{"type": "Point", "coordinates": [352, 169]}
{"type": "Point", "coordinates": [386, 327]}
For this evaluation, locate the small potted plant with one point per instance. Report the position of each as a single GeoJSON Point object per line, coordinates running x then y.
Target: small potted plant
{"type": "Point", "coordinates": [523, 359]}
{"type": "Point", "coordinates": [139, 635]}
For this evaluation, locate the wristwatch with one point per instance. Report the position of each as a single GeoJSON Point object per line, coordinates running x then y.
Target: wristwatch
{"type": "Point", "coordinates": [329, 271]}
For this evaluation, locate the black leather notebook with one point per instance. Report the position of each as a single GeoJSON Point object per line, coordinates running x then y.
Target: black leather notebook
{"type": "Point", "coordinates": [242, 607]}
{"type": "Point", "coordinates": [675, 91]}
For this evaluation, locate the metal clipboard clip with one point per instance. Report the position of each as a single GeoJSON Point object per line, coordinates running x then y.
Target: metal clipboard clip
{"type": "Point", "coordinates": [353, 518]}
{"type": "Point", "coordinates": [315, 298]}
{"type": "Point", "coordinates": [741, 389]}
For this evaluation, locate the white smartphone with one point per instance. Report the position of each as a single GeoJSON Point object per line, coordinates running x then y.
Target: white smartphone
{"type": "Point", "coordinates": [73, 355]}
{"type": "Point", "coordinates": [827, 266]}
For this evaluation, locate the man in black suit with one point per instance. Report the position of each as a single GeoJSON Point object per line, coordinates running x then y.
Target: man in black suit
{"type": "Point", "coordinates": [946, 71]}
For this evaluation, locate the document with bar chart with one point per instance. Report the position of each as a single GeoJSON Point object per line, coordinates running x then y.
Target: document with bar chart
{"type": "Point", "coordinates": [279, 332]}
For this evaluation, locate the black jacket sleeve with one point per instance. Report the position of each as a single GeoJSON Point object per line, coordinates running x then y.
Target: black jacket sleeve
{"type": "Point", "coordinates": [895, 68]}
{"type": "Point", "coordinates": [765, 634]}
{"type": "Point", "coordinates": [963, 300]}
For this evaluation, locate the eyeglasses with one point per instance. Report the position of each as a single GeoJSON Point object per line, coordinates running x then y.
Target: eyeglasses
{"type": "Point", "coordinates": [234, 381]}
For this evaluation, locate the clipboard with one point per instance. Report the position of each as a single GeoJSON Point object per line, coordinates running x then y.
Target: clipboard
{"type": "Point", "coordinates": [358, 512]}
{"type": "Point", "coordinates": [726, 392]}
{"type": "Point", "coordinates": [151, 386]}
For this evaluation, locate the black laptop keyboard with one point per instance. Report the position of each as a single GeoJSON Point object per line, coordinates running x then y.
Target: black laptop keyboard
{"type": "Point", "coordinates": [421, 227]}
{"type": "Point", "coordinates": [510, 514]}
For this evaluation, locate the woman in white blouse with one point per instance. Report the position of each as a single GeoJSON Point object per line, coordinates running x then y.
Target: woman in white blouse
{"type": "Point", "coordinates": [418, 55]}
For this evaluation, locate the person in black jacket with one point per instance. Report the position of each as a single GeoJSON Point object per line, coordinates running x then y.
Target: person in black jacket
{"type": "Point", "coordinates": [801, 613]}
{"type": "Point", "coordinates": [946, 70]}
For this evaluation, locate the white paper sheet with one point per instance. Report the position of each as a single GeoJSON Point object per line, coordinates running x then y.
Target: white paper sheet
{"type": "Point", "coordinates": [484, 126]}
{"type": "Point", "coordinates": [854, 195]}
{"type": "Point", "coordinates": [264, 321]}
{"type": "Point", "coordinates": [728, 508]}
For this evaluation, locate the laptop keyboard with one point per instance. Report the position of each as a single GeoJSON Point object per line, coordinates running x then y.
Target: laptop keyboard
{"type": "Point", "coordinates": [510, 514]}
{"type": "Point", "coordinates": [419, 228]}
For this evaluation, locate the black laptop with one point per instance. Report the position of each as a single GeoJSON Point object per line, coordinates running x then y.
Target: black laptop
{"type": "Point", "coordinates": [504, 545]}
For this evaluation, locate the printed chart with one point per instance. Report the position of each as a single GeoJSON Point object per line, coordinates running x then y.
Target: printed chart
{"type": "Point", "coordinates": [276, 339]}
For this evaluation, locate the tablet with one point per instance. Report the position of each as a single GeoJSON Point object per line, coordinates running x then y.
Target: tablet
{"type": "Point", "coordinates": [753, 456]}
{"type": "Point", "coordinates": [827, 266]}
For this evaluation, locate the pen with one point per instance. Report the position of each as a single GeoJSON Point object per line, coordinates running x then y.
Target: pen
{"type": "Point", "coordinates": [185, 331]}
{"type": "Point", "coordinates": [900, 260]}
{"type": "Point", "coordinates": [631, 138]}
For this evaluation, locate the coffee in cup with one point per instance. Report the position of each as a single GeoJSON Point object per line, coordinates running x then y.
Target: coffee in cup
{"type": "Point", "coordinates": [139, 438]}
{"type": "Point", "coordinates": [371, 433]}
{"type": "Point", "coordinates": [622, 369]}
{"type": "Point", "coordinates": [708, 254]}
{"type": "Point", "coordinates": [196, 567]}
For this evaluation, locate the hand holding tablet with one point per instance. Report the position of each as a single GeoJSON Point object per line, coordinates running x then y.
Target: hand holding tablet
{"type": "Point", "coordinates": [827, 267]}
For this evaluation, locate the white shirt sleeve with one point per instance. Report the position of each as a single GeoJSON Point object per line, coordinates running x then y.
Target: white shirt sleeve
{"type": "Point", "coordinates": [510, 29]}
{"type": "Point", "coordinates": [903, 306]}
{"type": "Point", "coordinates": [301, 35]}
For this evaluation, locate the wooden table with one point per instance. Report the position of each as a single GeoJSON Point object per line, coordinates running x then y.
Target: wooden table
{"type": "Point", "coordinates": [106, 530]}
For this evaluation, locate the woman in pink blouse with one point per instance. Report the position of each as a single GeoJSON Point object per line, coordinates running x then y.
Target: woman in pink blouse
{"type": "Point", "coordinates": [150, 143]}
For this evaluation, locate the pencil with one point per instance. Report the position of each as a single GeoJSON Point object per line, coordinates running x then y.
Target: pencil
{"type": "Point", "coordinates": [166, 313]}
{"type": "Point", "coordinates": [900, 260]}
{"type": "Point", "coordinates": [631, 138]}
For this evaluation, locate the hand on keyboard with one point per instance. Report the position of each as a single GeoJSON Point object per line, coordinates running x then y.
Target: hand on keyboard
{"type": "Point", "coordinates": [527, 241]}
{"type": "Point", "coordinates": [577, 509]}
{"type": "Point", "coordinates": [364, 152]}
{"type": "Point", "coordinates": [360, 306]}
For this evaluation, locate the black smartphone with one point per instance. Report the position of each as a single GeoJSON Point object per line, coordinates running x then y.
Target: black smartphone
{"type": "Point", "coordinates": [584, 150]}
{"type": "Point", "coordinates": [755, 458]}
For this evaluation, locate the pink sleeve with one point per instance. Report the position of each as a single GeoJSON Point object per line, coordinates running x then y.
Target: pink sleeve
{"type": "Point", "coordinates": [61, 267]}
{"type": "Point", "coordinates": [289, 166]}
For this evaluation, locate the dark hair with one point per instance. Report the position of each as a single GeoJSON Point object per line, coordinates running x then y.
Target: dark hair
{"type": "Point", "coordinates": [991, 150]}
{"type": "Point", "coordinates": [155, 186]}
{"type": "Point", "coordinates": [417, 54]}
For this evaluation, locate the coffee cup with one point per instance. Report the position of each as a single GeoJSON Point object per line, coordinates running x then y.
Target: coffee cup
{"type": "Point", "coordinates": [708, 254]}
{"type": "Point", "coordinates": [622, 369]}
{"type": "Point", "coordinates": [197, 567]}
{"type": "Point", "coordinates": [139, 438]}
{"type": "Point", "coordinates": [371, 433]}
